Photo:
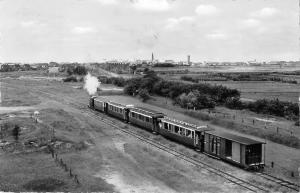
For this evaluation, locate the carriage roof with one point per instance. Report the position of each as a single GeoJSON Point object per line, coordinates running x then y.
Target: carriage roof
{"type": "Point", "coordinates": [235, 138]}
{"type": "Point", "coordinates": [185, 124]}
{"type": "Point", "coordinates": [147, 112]}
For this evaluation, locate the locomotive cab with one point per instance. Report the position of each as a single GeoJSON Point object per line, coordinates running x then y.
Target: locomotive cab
{"type": "Point", "coordinates": [91, 102]}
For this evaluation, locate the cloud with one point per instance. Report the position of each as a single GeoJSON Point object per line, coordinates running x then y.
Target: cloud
{"type": "Point", "coordinates": [251, 23]}
{"type": "Point", "coordinates": [265, 12]}
{"type": "Point", "coordinates": [82, 30]}
{"type": "Point", "coordinates": [28, 23]}
{"type": "Point", "coordinates": [174, 22]}
{"type": "Point", "coordinates": [206, 9]}
{"type": "Point", "coordinates": [108, 2]}
{"type": "Point", "coordinates": [216, 35]}
{"type": "Point", "coordinates": [151, 5]}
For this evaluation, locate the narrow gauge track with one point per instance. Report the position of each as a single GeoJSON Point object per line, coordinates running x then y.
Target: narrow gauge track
{"type": "Point", "coordinates": [279, 181]}
{"type": "Point", "coordinates": [198, 163]}
{"type": "Point", "coordinates": [235, 180]}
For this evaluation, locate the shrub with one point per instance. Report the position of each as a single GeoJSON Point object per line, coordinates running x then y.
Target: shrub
{"type": "Point", "coordinates": [144, 94]}
{"type": "Point", "coordinates": [70, 79]}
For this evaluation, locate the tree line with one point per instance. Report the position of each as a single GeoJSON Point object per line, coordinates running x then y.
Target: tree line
{"type": "Point", "coordinates": [198, 96]}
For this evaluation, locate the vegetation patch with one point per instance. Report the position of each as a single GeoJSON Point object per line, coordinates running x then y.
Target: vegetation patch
{"type": "Point", "coordinates": [44, 185]}
{"type": "Point", "coordinates": [284, 139]}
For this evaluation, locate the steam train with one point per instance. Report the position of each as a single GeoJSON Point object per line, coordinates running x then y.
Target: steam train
{"type": "Point", "coordinates": [240, 151]}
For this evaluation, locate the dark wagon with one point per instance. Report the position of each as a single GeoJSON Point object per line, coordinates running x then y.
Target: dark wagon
{"type": "Point", "coordinates": [185, 133]}
{"type": "Point", "coordinates": [118, 110]}
{"type": "Point", "coordinates": [241, 151]}
{"type": "Point", "coordinates": [145, 118]}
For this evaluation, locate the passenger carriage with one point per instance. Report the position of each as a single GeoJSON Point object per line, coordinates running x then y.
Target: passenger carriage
{"type": "Point", "coordinates": [241, 151]}
{"type": "Point", "coordinates": [145, 118]}
{"type": "Point", "coordinates": [118, 110]}
{"type": "Point", "coordinates": [185, 133]}
{"type": "Point", "coordinates": [99, 103]}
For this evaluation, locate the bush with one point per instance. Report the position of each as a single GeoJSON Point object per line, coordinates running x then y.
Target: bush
{"type": "Point", "coordinates": [234, 103]}
{"type": "Point", "coordinates": [76, 69]}
{"type": "Point", "coordinates": [118, 81]}
{"type": "Point", "coordinates": [144, 94]}
{"type": "Point", "coordinates": [274, 107]}
{"type": "Point", "coordinates": [70, 79]}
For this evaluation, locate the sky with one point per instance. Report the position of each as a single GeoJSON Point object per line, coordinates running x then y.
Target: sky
{"type": "Point", "coordinates": [94, 30]}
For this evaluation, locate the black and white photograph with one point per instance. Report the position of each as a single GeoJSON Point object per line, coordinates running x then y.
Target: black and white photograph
{"type": "Point", "coordinates": [150, 96]}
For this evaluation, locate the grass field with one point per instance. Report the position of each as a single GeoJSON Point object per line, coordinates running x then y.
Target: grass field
{"type": "Point", "coordinates": [254, 90]}
{"type": "Point", "coordinates": [264, 89]}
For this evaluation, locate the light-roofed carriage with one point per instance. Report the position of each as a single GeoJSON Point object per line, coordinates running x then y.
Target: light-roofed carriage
{"type": "Point", "coordinates": [185, 133]}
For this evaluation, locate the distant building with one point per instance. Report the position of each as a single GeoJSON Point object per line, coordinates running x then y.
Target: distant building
{"type": "Point", "coordinates": [254, 63]}
{"type": "Point", "coordinates": [189, 59]}
{"type": "Point", "coordinates": [53, 70]}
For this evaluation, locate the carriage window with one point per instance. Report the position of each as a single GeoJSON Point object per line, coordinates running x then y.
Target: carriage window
{"type": "Point", "coordinates": [176, 129]}
{"type": "Point", "coordinates": [132, 114]}
{"type": "Point", "coordinates": [188, 133]}
{"type": "Point", "coordinates": [141, 117]}
{"type": "Point", "coordinates": [121, 110]}
{"type": "Point", "coordinates": [147, 119]}
{"type": "Point", "coordinates": [182, 131]}
{"type": "Point", "coordinates": [193, 134]}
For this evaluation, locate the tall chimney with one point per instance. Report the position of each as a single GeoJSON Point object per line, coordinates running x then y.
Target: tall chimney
{"type": "Point", "coordinates": [189, 59]}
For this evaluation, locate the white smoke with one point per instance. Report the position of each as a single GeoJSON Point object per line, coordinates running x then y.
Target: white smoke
{"type": "Point", "coordinates": [91, 84]}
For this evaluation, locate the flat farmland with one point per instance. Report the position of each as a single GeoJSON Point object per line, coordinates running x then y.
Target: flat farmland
{"type": "Point", "coordinates": [263, 89]}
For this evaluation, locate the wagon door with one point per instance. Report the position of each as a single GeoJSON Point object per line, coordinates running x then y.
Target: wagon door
{"type": "Point", "coordinates": [126, 111]}
{"type": "Point", "coordinates": [236, 152]}
{"type": "Point", "coordinates": [105, 107]}
{"type": "Point", "coordinates": [155, 125]}
{"type": "Point", "coordinates": [199, 141]}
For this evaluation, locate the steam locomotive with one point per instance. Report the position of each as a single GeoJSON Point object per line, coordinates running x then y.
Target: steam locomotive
{"type": "Point", "coordinates": [240, 151]}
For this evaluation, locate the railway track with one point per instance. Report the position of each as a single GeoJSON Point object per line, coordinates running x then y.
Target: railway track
{"type": "Point", "coordinates": [280, 181]}
{"type": "Point", "coordinates": [232, 179]}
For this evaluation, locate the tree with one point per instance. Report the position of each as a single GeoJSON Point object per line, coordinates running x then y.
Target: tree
{"type": "Point", "coordinates": [144, 94]}
{"type": "Point", "coordinates": [16, 132]}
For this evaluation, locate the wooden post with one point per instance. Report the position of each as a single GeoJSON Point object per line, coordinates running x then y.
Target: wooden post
{"type": "Point", "coordinates": [70, 171]}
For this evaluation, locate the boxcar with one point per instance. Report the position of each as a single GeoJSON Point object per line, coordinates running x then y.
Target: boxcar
{"type": "Point", "coordinates": [241, 151]}
{"type": "Point", "coordinates": [145, 118]}
{"type": "Point", "coordinates": [117, 110]}
{"type": "Point", "coordinates": [182, 132]}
